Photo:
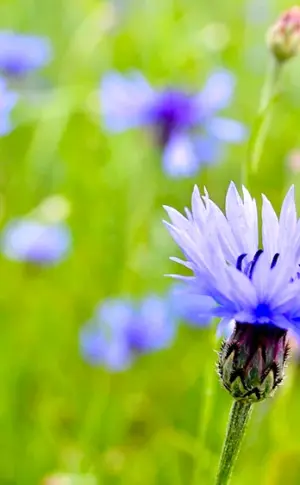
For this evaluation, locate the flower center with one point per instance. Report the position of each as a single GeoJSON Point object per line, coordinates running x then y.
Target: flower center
{"type": "Point", "coordinates": [174, 111]}
{"type": "Point", "coordinates": [263, 311]}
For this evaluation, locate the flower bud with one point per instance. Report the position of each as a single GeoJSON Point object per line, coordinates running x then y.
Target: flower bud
{"type": "Point", "coordinates": [283, 38]}
{"type": "Point", "coordinates": [251, 363]}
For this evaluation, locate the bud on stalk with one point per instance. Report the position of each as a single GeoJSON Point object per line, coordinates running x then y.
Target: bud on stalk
{"type": "Point", "coordinates": [283, 37]}
{"type": "Point", "coordinates": [251, 363]}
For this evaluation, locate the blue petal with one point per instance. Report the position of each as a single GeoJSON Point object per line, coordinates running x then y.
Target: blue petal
{"type": "Point", "coordinates": [217, 92]}
{"type": "Point", "coordinates": [225, 327]}
{"type": "Point", "coordinates": [20, 54]}
{"type": "Point", "coordinates": [116, 314]}
{"type": "Point", "coordinates": [92, 344]}
{"type": "Point", "coordinates": [105, 339]}
{"type": "Point", "coordinates": [30, 240]}
{"type": "Point", "coordinates": [5, 124]}
{"type": "Point", "coordinates": [180, 158]}
{"type": "Point", "coordinates": [245, 232]}
{"type": "Point", "coordinates": [125, 100]}
{"type": "Point", "coordinates": [208, 149]}
{"type": "Point", "coordinates": [227, 130]}
{"type": "Point", "coordinates": [194, 308]}
{"type": "Point", "coordinates": [158, 322]}
{"type": "Point", "coordinates": [117, 356]}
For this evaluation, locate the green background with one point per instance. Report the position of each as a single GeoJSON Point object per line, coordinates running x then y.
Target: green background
{"type": "Point", "coordinates": [163, 421]}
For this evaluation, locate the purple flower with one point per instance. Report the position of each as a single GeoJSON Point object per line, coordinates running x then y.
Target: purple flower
{"type": "Point", "coordinates": [8, 100]}
{"type": "Point", "coordinates": [35, 242]}
{"type": "Point", "coordinates": [248, 284]}
{"type": "Point", "coordinates": [255, 290]}
{"type": "Point", "coordinates": [21, 54]}
{"type": "Point", "coordinates": [120, 330]}
{"type": "Point", "coordinates": [186, 125]}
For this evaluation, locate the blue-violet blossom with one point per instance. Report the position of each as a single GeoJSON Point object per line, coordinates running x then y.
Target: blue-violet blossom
{"type": "Point", "coordinates": [120, 330]}
{"type": "Point", "coordinates": [186, 125]}
{"type": "Point", "coordinates": [248, 284]}
{"type": "Point", "coordinates": [35, 242]}
{"type": "Point", "coordinates": [21, 53]}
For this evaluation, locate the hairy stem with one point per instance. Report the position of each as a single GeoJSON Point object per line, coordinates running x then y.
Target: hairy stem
{"type": "Point", "coordinates": [239, 415]}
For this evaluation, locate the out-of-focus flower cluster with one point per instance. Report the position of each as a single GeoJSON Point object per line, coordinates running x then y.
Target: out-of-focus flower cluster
{"type": "Point", "coordinates": [121, 329]}
{"type": "Point", "coordinates": [20, 55]}
{"type": "Point", "coordinates": [36, 242]}
{"type": "Point", "coordinates": [186, 125]}
{"type": "Point", "coordinates": [42, 237]}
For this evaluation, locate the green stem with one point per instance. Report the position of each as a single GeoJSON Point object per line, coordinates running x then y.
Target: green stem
{"type": "Point", "coordinates": [262, 121]}
{"type": "Point", "coordinates": [239, 415]}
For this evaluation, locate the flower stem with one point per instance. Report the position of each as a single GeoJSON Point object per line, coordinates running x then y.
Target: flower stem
{"type": "Point", "coordinates": [262, 122]}
{"type": "Point", "coordinates": [239, 415]}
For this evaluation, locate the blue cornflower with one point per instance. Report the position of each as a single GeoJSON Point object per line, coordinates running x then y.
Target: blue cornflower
{"type": "Point", "coordinates": [35, 242]}
{"type": "Point", "coordinates": [8, 100]}
{"type": "Point", "coordinates": [248, 284]}
{"type": "Point", "coordinates": [21, 54]}
{"type": "Point", "coordinates": [120, 330]}
{"type": "Point", "coordinates": [186, 125]}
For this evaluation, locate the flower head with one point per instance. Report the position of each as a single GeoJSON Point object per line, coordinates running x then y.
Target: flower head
{"type": "Point", "coordinates": [21, 54]}
{"type": "Point", "coordinates": [35, 242]}
{"type": "Point", "coordinates": [255, 287]}
{"type": "Point", "coordinates": [186, 124]}
{"type": "Point", "coordinates": [284, 36]}
{"type": "Point", "coordinates": [120, 330]}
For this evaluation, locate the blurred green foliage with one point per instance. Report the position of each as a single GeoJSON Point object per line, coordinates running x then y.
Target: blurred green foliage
{"type": "Point", "coordinates": [162, 422]}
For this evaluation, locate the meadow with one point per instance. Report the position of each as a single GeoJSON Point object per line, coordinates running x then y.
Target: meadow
{"type": "Point", "coordinates": [162, 421]}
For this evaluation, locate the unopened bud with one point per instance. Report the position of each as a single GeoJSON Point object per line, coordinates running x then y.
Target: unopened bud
{"type": "Point", "coordinates": [283, 38]}
{"type": "Point", "coordinates": [251, 363]}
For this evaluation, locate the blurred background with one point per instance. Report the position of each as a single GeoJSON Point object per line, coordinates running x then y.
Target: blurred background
{"type": "Point", "coordinates": [81, 211]}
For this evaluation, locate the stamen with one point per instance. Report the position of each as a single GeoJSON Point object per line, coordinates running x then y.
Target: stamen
{"type": "Point", "coordinates": [240, 260]}
{"type": "Point", "coordinates": [274, 260]}
{"type": "Point", "coordinates": [253, 263]}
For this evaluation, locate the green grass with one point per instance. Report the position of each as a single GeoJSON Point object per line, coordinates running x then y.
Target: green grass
{"type": "Point", "coordinates": [162, 422]}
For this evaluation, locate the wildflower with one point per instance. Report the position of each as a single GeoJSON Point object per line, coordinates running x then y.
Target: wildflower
{"type": "Point", "coordinates": [186, 125]}
{"type": "Point", "coordinates": [120, 330]}
{"type": "Point", "coordinates": [256, 287]}
{"type": "Point", "coordinates": [8, 101]}
{"type": "Point", "coordinates": [283, 37]}
{"type": "Point", "coordinates": [35, 242]}
{"type": "Point", "coordinates": [21, 54]}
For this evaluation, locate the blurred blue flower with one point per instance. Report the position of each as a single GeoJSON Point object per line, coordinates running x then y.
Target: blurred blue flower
{"type": "Point", "coordinates": [188, 306]}
{"type": "Point", "coordinates": [248, 284]}
{"type": "Point", "coordinates": [186, 125]}
{"type": "Point", "coordinates": [8, 101]}
{"type": "Point", "coordinates": [120, 330]}
{"type": "Point", "coordinates": [21, 54]}
{"type": "Point", "coordinates": [35, 242]}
